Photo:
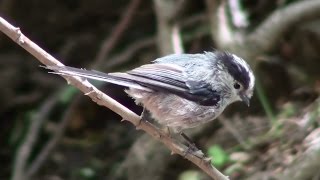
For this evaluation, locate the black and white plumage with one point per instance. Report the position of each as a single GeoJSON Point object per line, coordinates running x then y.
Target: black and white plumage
{"type": "Point", "coordinates": [182, 90]}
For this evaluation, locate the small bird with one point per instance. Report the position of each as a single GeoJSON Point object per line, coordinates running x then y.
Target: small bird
{"type": "Point", "coordinates": [181, 91]}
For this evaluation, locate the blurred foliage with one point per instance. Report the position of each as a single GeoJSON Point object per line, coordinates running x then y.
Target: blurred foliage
{"type": "Point", "coordinates": [68, 94]}
{"type": "Point", "coordinates": [218, 156]}
{"type": "Point", "coordinates": [190, 175]}
{"type": "Point", "coordinates": [266, 137]}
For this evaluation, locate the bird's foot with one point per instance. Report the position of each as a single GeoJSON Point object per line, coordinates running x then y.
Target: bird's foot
{"type": "Point", "coordinates": [143, 117]}
{"type": "Point", "coordinates": [192, 148]}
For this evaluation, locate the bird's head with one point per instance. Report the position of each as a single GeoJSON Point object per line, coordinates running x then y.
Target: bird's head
{"type": "Point", "coordinates": [239, 78]}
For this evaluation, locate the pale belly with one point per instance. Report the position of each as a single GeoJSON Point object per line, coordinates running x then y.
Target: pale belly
{"type": "Point", "coordinates": [174, 112]}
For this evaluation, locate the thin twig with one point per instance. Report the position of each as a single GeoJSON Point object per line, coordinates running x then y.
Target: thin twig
{"type": "Point", "coordinates": [234, 131]}
{"type": "Point", "coordinates": [271, 30]}
{"type": "Point", "coordinates": [134, 47]}
{"type": "Point", "coordinates": [106, 47]}
{"type": "Point", "coordinates": [223, 34]}
{"type": "Point", "coordinates": [120, 28]}
{"type": "Point", "coordinates": [169, 38]}
{"type": "Point", "coordinates": [239, 16]}
{"type": "Point", "coordinates": [102, 99]}
{"type": "Point", "coordinates": [48, 148]}
{"type": "Point", "coordinates": [306, 165]}
{"type": "Point", "coordinates": [26, 147]}
{"type": "Point", "coordinates": [129, 52]}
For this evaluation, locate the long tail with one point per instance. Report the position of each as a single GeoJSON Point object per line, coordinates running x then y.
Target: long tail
{"type": "Point", "coordinates": [114, 78]}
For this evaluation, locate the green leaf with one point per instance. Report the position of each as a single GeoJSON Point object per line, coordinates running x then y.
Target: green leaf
{"type": "Point", "coordinates": [190, 175]}
{"type": "Point", "coordinates": [87, 173]}
{"type": "Point", "coordinates": [67, 94]}
{"type": "Point", "coordinates": [218, 155]}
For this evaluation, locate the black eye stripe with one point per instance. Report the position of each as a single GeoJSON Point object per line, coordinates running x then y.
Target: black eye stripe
{"type": "Point", "coordinates": [236, 70]}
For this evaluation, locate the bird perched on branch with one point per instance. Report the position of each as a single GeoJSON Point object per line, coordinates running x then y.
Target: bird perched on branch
{"type": "Point", "coordinates": [181, 90]}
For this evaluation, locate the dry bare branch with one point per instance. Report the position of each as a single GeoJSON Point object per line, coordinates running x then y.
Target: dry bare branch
{"type": "Point", "coordinates": [26, 147]}
{"type": "Point", "coordinates": [124, 56]}
{"type": "Point", "coordinates": [222, 33]}
{"type": "Point", "coordinates": [102, 99]}
{"type": "Point", "coordinates": [113, 38]}
{"type": "Point", "coordinates": [280, 21]}
{"type": "Point", "coordinates": [106, 47]}
{"type": "Point", "coordinates": [36, 164]}
{"type": "Point", "coordinates": [239, 17]}
{"type": "Point", "coordinates": [169, 38]}
{"type": "Point", "coordinates": [265, 36]}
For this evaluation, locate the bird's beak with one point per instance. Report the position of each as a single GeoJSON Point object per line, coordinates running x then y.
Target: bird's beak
{"type": "Point", "coordinates": [245, 99]}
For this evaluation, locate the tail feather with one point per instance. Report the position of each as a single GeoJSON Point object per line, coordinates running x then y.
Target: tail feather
{"type": "Point", "coordinates": [95, 75]}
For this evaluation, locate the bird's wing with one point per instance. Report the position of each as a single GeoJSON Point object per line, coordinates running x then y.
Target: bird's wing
{"type": "Point", "coordinates": [158, 77]}
{"type": "Point", "coordinates": [172, 79]}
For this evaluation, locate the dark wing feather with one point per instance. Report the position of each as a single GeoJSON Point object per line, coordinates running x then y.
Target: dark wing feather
{"type": "Point", "coordinates": [209, 97]}
{"type": "Point", "coordinates": [172, 79]}
{"type": "Point", "coordinates": [159, 77]}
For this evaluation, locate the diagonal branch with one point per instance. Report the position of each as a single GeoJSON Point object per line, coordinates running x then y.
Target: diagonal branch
{"type": "Point", "coordinates": [25, 150]}
{"type": "Point", "coordinates": [169, 38]}
{"type": "Point", "coordinates": [104, 100]}
{"type": "Point", "coordinates": [222, 33]}
{"type": "Point", "coordinates": [120, 28]}
{"type": "Point", "coordinates": [36, 164]}
{"type": "Point", "coordinates": [280, 21]}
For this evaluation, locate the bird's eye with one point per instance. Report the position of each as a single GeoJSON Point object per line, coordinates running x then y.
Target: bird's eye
{"type": "Point", "coordinates": [236, 85]}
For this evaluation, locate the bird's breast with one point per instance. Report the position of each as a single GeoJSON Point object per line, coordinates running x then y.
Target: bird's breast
{"type": "Point", "coordinates": [173, 111]}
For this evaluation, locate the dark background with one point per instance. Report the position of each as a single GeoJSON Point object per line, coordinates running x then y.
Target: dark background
{"type": "Point", "coordinates": [49, 130]}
